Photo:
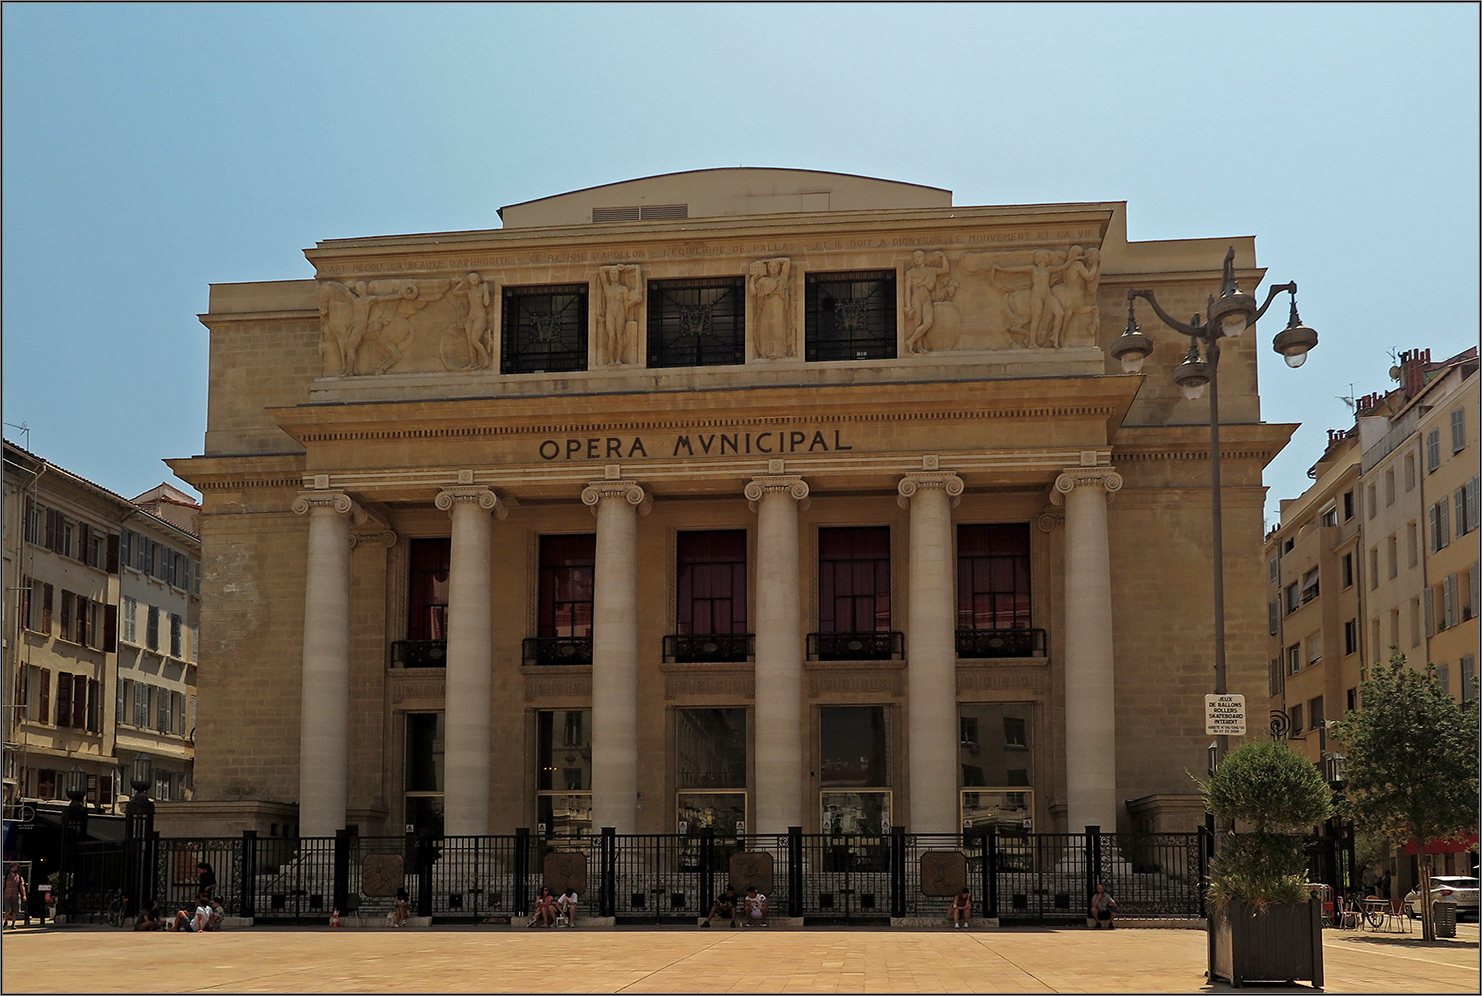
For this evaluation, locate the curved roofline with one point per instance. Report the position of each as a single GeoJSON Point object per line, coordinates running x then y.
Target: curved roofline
{"type": "Point", "coordinates": [717, 169]}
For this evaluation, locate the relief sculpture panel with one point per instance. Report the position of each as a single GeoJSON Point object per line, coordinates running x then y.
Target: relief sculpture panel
{"type": "Point", "coordinates": [1024, 299]}
{"type": "Point", "coordinates": [372, 326]}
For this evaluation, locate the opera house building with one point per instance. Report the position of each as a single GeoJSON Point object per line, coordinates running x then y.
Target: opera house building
{"type": "Point", "coordinates": [736, 498]}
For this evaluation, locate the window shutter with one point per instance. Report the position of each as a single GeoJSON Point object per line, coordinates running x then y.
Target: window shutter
{"type": "Point", "coordinates": [1435, 532]}
{"type": "Point", "coordinates": [64, 699]}
{"type": "Point", "coordinates": [46, 599]}
{"type": "Point", "coordinates": [118, 708]}
{"type": "Point", "coordinates": [1475, 586]}
{"type": "Point", "coordinates": [26, 606]}
{"type": "Point", "coordinates": [43, 707]}
{"type": "Point", "coordinates": [1428, 597]}
{"type": "Point", "coordinates": [1473, 520]}
{"type": "Point", "coordinates": [1458, 430]}
{"type": "Point", "coordinates": [126, 548]}
{"type": "Point", "coordinates": [1450, 605]}
{"type": "Point", "coordinates": [1273, 616]}
{"type": "Point", "coordinates": [84, 533]}
{"type": "Point", "coordinates": [24, 680]}
{"type": "Point", "coordinates": [111, 565]}
{"type": "Point", "coordinates": [1443, 523]}
{"type": "Point", "coordinates": [179, 698]}
{"type": "Point", "coordinates": [105, 790]}
{"type": "Point", "coordinates": [94, 706]}
{"type": "Point", "coordinates": [79, 701]}
{"type": "Point", "coordinates": [67, 610]}
{"type": "Point", "coordinates": [110, 629]}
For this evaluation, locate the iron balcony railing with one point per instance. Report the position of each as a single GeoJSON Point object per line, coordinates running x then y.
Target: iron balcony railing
{"type": "Point", "coordinates": [558, 650]}
{"type": "Point", "coordinates": [889, 646]}
{"type": "Point", "coordinates": [709, 648]}
{"type": "Point", "coordinates": [419, 653]}
{"type": "Point", "coordinates": [982, 643]}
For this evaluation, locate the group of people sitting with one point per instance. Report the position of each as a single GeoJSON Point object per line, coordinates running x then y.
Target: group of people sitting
{"type": "Point", "coordinates": [554, 911]}
{"type": "Point", "coordinates": [750, 909]}
{"type": "Point", "coordinates": [205, 916]}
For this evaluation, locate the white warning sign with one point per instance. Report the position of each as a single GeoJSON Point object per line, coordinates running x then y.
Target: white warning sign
{"type": "Point", "coordinates": [1224, 715]}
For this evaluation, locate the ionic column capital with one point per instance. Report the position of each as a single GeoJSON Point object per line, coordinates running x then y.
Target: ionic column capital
{"type": "Point", "coordinates": [336, 501]}
{"type": "Point", "coordinates": [950, 484]}
{"type": "Point", "coordinates": [485, 498]}
{"type": "Point", "coordinates": [385, 537]}
{"type": "Point", "coordinates": [1103, 478]}
{"type": "Point", "coordinates": [787, 484]}
{"type": "Point", "coordinates": [617, 490]}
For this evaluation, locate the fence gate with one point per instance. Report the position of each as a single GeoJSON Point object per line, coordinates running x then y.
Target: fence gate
{"type": "Point", "coordinates": [846, 878]}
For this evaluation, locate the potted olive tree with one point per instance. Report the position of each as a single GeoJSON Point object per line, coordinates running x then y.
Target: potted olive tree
{"type": "Point", "coordinates": [1264, 924]}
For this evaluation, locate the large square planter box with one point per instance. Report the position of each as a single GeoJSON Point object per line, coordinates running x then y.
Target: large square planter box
{"type": "Point", "coordinates": [1277, 943]}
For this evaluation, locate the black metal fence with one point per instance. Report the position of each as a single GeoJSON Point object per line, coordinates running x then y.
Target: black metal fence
{"type": "Point", "coordinates": [659, 878]}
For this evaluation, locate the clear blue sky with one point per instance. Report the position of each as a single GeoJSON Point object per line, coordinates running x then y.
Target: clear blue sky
{"type": "Point", "coordinates": [150, 150]}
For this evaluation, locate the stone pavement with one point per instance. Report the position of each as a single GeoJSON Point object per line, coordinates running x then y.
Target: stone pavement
{"type": "Point", "coordinates": [479, 960]}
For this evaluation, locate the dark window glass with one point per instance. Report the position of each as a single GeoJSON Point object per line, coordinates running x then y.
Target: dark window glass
{"type": "Point", "coordinates": [711, 748]}
{"type": "Point", "coordinates": [544, 329]}
{"type": "Point", "coordinates": [566, 569]}
{"type": "Point", "coordinates": [854, 580]}
{"type": "Point", "coordinates": [710, 582]}
{"type": "Point", "coordinates": [996, 745]}
{"type": "Point", "coordinates": [854, 746]}
{"type": "Point", "coordinates": [993, 577]}
{"type": "Point", "coordinates": [427, 595]}
{"type": "Point", "coordinates": [424, 752]}
{"type": "Point", "coordinates": [564, 750]}
{"type": "Point", "coordinates": [696, 323]}
{"type": "Point", "coordinates": [850, 316]}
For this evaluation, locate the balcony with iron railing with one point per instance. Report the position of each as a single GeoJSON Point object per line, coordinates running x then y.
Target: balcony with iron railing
{"type": "Point", "coordinates": [558, 650]}
{"type": "Point", "coordinates": [709, 648]}
{"type": "Point", "coordinates": [980, 644]}
{"type": "Point", "coordinates": [878, 646]}
{"type": "Point", "coordinates": [419, 653]}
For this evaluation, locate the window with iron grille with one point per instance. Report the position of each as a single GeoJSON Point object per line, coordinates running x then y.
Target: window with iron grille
{"type": "Point", "coordinates": [993, 576]}
{"type": "Point", "coordinates": [696, 323]}
{"type": "Point", "coordinates": [850, 316]}
{"type": "Point", "coordinates": [854, 580]}
{"type": "Point", "coordinates": [544, 329]}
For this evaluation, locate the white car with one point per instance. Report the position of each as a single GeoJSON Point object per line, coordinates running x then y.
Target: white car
{"type": "Point", "coordinates": [1460, 889]}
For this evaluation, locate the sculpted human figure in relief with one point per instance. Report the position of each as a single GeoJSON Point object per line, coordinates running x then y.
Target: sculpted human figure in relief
{"type": "Point", "coordinates": [473, 297]}
{"type": "Point", "coordinates": [616, 330]}
{"type": "Point", "coordinates": [1045, 313]}
{"type": "Point", "coordinates": [1077, 296]}
{"type": "Point", "coordinates": [346, 314]}
{"type": "Point", "coordinates": [767, 279]}
{"type": "Point", "coordinates": [927, 284]}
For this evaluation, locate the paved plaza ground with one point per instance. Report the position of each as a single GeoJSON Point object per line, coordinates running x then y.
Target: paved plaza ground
{"type": "Point", "coordinates": [493, 960]}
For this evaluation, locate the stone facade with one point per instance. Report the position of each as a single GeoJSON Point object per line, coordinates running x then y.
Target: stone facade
{"type": "Point", "coordinates": [385, 402]}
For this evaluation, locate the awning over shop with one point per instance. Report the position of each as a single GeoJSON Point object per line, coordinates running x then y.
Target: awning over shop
{"type": "Point", "coordinates": [1445, 846]}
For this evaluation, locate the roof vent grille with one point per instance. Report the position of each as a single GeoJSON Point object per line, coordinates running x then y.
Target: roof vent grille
{"type": "Point", "coordinates": [648, 212]}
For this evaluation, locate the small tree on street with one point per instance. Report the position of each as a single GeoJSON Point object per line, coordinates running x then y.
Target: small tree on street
{"type": "Point", "coordinates": [1411, 758]}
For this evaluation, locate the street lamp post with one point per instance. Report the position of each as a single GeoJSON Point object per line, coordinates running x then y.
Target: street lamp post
{"type": "Point", "coordinates": [139, 834]}
{"type": "Point", "coordinates": [1228, 315]}
{"type": "Point", "coordinates": [74, 831]}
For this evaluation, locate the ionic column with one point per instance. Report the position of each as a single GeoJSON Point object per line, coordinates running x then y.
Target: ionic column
{"type": "Point", "coordinates": [469, 678]}
{"type": "Point", "coordinates": [324, 716]}
{"type": "Point", "coordinates": [931, 652]}
{"type": "Point", "coordinates": [616, 504]}
{"type": "Point", "coordinates": [779, 653]}
{"type": "Point", "coordinates": [1090, 685]}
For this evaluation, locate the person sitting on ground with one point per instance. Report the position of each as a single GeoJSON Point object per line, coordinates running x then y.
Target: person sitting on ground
{"type": "Point", "coordinates": [149, 919]}
{"type": "Point", "coordinates": [1103, 908]}
{"type": "Point", "coordinates": [213, 922]}
{"type": "Point", "coordinates": [192, 922]}
{"type": "Point", "coordinates": [727, 904]}
{"type": "Point", "coordinates": [545, 910]}
{"type": "Point", "coordinates": [401, 909]}
{"type": "Point", "coordinates": [756, 907]}
{"type": "Point", "coordinates": [566, 907]}
{"type": "Point", "coordinates": [962, 909]}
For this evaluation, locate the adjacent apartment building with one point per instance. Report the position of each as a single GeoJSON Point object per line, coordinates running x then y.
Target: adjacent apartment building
{"type": "Point", "coordinates": [102, 610]}
{"type": "Point", "coordinates": [1379, 556]}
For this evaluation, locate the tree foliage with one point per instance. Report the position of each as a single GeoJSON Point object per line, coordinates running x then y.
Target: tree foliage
{"type": "Point", "coordinates": [1411, 757]}
{"type": "Point", "coordinates": [1270, 787]}
{"type": "Point", "coordinates": [1265, 785]}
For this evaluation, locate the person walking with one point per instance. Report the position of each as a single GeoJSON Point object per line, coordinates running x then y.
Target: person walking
{"type": "Point", "coordinates": [15, 896]}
